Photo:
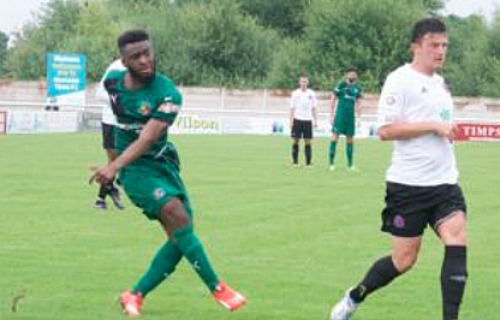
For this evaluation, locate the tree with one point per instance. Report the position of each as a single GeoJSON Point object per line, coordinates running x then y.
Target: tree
{"type": "Point", "coordinates": [434, 5]}
{"type": "Point", "coordinates": [494, 36]}
{"type": "Point", "coordinates": [370, 35]}
{"type": "Point", "coordinates": [4, 40]}
{"type": "Point", "coordinates": [211, 43]}
{"type": "Point", "coordinates": [286, 16]}
{"type": "Point", "coordinates": [231, 44]}
{"type": "Point", "coordinates": [466, 54]}
{"type": "Point", "coordinates": [99, 50]}
{"type": "Point", "coordinates": [289, 61]}
{"type": "Point", "coordinates": [56, 22]}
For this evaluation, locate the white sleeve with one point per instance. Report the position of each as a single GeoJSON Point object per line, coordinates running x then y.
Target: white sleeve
{"type": "Point", "coordinates": [101, 94]}
{"type": "Point", "coordinates": [391, 102]}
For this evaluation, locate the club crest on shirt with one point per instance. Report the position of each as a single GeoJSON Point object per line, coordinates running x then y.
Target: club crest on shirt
{"type": "Point", "coordinates": [145, 108]}
{"type": "Point", "coordinates": [390, 100]}
{"type": "Point", "coordinates": [445, 115]}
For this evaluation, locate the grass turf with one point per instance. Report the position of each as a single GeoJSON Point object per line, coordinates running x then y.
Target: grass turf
{"type": "Point", "coordinates": [292, 240]}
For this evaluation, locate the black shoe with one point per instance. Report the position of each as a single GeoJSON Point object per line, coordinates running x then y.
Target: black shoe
{"type": "Point", "coordinates": [100, 204]}
{"type": "Point", "coordinates": [114, 193]}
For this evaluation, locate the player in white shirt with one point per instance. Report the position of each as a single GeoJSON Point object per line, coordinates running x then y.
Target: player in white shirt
{"type": "Point", "coordinates": [107, 123]}
{"type": "Point", "coordinates": [416, 112]}
{"type": "Point", "coordinates": [303, 117]}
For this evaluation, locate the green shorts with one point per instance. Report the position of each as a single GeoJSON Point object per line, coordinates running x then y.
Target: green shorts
{"type": "Point", "coordinates": [152, 184]}
{"type": "Point", "coordinates": [345, 127]}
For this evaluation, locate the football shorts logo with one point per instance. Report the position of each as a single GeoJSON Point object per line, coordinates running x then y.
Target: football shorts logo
{"type": "Point", "coordinates": [399, 222]}
{"type": "Point", "coordinates": [159, 193]}
{"type": "Point", "coordinates": [168, 107]}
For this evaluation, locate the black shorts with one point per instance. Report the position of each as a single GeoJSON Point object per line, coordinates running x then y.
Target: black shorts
{"type": "Point", "coordinates": [108, 136]}
{"type": "Point", "coordinates": [409, 209]}
{"type": "Point", "coordinates": [302, 129]}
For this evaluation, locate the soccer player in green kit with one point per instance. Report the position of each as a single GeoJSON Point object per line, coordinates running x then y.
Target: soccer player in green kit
{"type": "Point", "coordinates": [146, 103]}
{"type": "Point", "coordinates": [343, 118]}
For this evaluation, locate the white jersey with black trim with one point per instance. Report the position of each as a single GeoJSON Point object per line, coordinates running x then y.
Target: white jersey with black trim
{"type": "Point", "coordinates": [409, 96]}
{"type": "Point", "coordinates": [303, 101]}
{"type": "Point", "coordinates": [102, 96]}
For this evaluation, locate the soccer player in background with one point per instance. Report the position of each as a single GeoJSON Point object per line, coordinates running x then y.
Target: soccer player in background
{"type": "Point", "coordinates": [146, 103]}
{"type": "Point", "coordinates": [303, 117]}
{"type": "Point", "coordinates": [416, 112]}
{"type": "Point", "coordinates": [345, 107]}
{"type": "Point", "coordinates": [108, 123]}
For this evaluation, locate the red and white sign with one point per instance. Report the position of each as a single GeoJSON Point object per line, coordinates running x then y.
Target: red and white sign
{"type": "Point", "coordinates": [478, 132]}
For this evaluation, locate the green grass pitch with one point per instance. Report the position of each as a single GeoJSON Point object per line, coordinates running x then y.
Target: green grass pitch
{"type": "Point", "coordinates": [292, 240]}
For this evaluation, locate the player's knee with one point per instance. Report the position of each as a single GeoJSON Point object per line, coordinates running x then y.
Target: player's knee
{"type": "Point", "coordinates": [175, 212]}
{"type": "Point", "coordinates": [405, 261]}
{"type": "Point", "coordinates": [453, 230]}
{"type": "Point", "coordinates": [172, 205]}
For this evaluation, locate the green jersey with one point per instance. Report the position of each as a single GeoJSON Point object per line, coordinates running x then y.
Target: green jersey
{"type": "Point", "coordinates": [159, 99]}
{"type": "Point", "coordinates": [157, 170]}
{"type": "Point", "coordinates": [347, 94]}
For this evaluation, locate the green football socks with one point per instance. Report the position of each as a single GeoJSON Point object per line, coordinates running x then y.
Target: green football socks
{"type": "Point", "coordinates": [189, 244]}
{"type": "Point", "coordinates": [331, 153]}
{"type": "Point", "coordinates": [161, 267]}
{"type": "Point", "coordinates": [349, 152]}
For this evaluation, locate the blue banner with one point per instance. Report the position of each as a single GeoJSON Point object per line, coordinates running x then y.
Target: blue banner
{"type": "Point", "coordinates": [66, 79]}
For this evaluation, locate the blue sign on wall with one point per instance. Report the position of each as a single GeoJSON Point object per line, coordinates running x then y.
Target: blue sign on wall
{"type": "Point", "coordinates": [66, 79]}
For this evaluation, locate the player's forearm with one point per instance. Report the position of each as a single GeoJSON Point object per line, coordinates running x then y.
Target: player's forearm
{"type": "Point", "coordinates": [405, 131]}
{"type": "Point", "coordinates": [134, 151]}
{"type": "Point", "coordinates": [149, 135]}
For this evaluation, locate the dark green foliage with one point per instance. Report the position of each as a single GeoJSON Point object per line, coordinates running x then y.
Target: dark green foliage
{"type": "Point", "coordinates": [257, 43]}
{"type": "Point", "coordinates": [210, 44]}
{"type": "Point", "coordinates": [474, 58]}
{"type": "Point", "coordinates": [434, 5]}
{"type": "Point", "coordinates": [4, 40]}
{"type": "Point", "coordinates": [373, 36]}
{"type": "Point", "coordinates": [286, 16]}
{"type": "Point", "coordinates": [57, 22]}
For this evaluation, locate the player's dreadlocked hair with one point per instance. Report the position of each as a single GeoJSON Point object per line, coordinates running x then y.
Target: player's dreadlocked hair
{"type": "Point", "coordinates": [132, 36]}
{"type": "Point", "coordinates": [427, 25]}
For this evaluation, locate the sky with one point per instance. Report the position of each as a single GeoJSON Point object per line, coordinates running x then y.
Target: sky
{"type": "Point", "coordinates": [464, 8]}
{"type": "Point", "coordinates": [15, 13]}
